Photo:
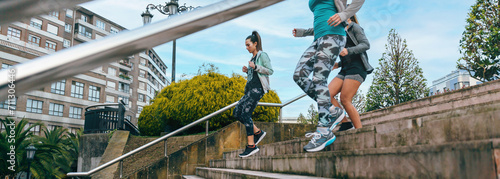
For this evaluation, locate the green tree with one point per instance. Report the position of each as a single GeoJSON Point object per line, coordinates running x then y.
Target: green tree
{"type": "Point", "coordinates": [55, 154]}
{"type": "Point", "coordinates": [188, 100]}
{"type": "Point", "coordinates": [312, 116]}
{"type": "Point", "coordinates": [480, 43]}
{"type": "Point", "coordinates": [398, 78]}
{"type": "Point", "coordinates": [302, 119]}
{"type": "Point", "coordinates": [16, 136]}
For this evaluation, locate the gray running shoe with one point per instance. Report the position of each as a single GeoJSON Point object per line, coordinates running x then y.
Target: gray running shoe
{"type": "Point", "coordinates": [336, 115]}
{"type": "Point", "coordinates": [319, 141]}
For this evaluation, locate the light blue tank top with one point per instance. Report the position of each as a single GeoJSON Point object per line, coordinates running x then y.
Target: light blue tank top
{"type": "Point", "coordinates": [323, 10]}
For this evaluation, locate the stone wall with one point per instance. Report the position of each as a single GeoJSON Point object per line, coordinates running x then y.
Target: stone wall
{"type": "Point", "coordinates": [199, 153]}
{"type": "Point", "coordinates": [91, 150]}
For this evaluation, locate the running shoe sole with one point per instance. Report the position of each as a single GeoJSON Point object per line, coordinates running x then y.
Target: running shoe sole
{"type": "Point", "coordinates": [260, 139]}
{"type": "Point", "coordinates": [251, 153]}
{"type": "Point", "coordinates": [337, 122]}
{"type": "Point", "coordinates": [322, 146]}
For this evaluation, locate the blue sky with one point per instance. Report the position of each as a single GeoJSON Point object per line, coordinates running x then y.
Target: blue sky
{"type": "Point", "coordinates": [431, 28]}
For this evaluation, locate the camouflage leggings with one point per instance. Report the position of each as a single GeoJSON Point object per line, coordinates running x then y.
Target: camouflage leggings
{"type": "Point", "coordinates": [319, 58]}
{"type": "Point", "coordinates": [245, 107]}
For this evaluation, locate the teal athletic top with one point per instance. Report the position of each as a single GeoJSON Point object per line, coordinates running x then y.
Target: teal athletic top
{"type": "Point", "coordinates": [323, 10]}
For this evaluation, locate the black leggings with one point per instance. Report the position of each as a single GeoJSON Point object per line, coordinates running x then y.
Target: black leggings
{"type": "Point", "coordinates": [245, 107]}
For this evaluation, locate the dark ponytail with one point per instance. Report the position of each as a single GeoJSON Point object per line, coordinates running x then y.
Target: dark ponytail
{"type": "Point", "coordinates": [255, 37]}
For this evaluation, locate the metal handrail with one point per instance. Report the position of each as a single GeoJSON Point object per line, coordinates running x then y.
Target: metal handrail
{"type": "Point", "coordinates": [36, 73]}
{"type": "Point", "coordinates": [165, 137]}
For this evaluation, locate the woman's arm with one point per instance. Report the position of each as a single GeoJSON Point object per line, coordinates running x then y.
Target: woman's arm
{"type": "Point", "coordinates": [298, 32]}
{"type": "Point", "coordinates": [363, 44]}
{"type": "Point", "coordinates": [348, 12]}
{"type": "Point", "coordinates": [266, 67]}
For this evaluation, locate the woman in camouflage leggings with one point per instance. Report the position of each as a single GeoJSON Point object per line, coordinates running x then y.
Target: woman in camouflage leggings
{"type": "Point", "coordinates": [319, 58]}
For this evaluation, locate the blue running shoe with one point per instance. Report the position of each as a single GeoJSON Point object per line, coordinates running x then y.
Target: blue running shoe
{"type": "Point", "coordinates": [319, 141]}
{"type": "Point", "coordinates": [336, 115]}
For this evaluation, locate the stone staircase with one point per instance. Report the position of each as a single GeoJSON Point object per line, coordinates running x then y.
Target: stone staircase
{"type": "Point", "coordinates": [452, 135]}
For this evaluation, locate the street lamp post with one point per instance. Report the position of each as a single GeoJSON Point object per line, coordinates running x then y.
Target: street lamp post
{"type": "Point", "coordinates": [170, 8]}
{"type": "Point", "coordinates": [30, 154]}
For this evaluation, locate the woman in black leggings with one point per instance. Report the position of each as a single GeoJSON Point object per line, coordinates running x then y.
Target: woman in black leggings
{"type": "Point", "coordinates": [258, 70]}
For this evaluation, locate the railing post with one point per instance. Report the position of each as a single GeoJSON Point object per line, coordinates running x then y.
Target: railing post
{"type": "Point", "coordinates": [165, 144]}
{"type": "Point", "coordinates": [121, 168]}
{"type": "Point", "coordinates": [281, 114]}
{"type": "Point", "coordinates": [206, 130]}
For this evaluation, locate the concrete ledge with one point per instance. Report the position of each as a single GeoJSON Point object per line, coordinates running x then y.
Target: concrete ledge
{"type": "Point", "coordinates": [234, 173]}
{"type": "Point", "coordinates": [114, 149]}
{"type": "Point", "coordinates": [460, 99]}
{"type": "Point", "coordinates": [472, 159]}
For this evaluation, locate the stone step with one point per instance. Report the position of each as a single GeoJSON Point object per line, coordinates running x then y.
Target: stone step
{"type": "Point", "coordinates": [248, 174]}
{"type": "Point", "coordinates": [478, 122]}
{"type": "Point", "coordinates": [471, 159]}
{"type": "Point", "coordinates": [191, 177]}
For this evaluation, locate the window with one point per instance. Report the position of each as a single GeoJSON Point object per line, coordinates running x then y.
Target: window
{"type": "Point", "coordinates": [14, 33]}
{"type": "Point", "coordinates": [75, 112]}
{"type": "Point", "coordinates": [56, 109]}
{"type": "Point", "coordinates": [150, 90]}
{"type": "Point", "coordinates": [142, 73]}
{"type": "Point", "coordinates": [114, 30]}
{"type": "Point", "coordinates": [77, 89]}
{"type": "Point", "coordinates": [69, 13]}
{"type": "Point", "coordinates": [142, 85]}
{"type": "Point", "coordinates": [139, 109]}
{"type": "Point", "coordinates": [36, 23]}
{"type": "Point", "coordinates": [34, 106]}
{"type": "Point", "coordinates": [34, 40]}
{"type": "Point", "coordinates": [68, 28]}
{"type": "Point", "coordinates": [52, 29]}
{"type": "Point", "coordinates": [94, 93]}
{"type": "Point", "coordinates": [128, 117]}
{"type": "Point", "coordinates": [53, 127]}
{"type": "Point", "coordinates": [73, 130]}
{"type": "Point", "coordinates": [148, 99]}
{"type": "Point", "coordinates": [54, 14]}
{"type": "Point", "coordinates": [5, 104]}
{"type": "Point", "coordinates": [83, 18]}
{"type": "Point", "coordinates": [123, 87]}
{"type": "Point", "coordinates": [143, 61]}
{"type": "Point", "coordinates": [51, 46]}
{"type": "Point", "coordinates": [112, 84]}
{"type": "Point", "coordinates": [125, 99]}
{"type": "Point", "coordinates": [58, 87]}
{"type": "Point", "coordinates": [110, 99]}
{"type": "Point", "coordinates": [66, 43]}
{"type": "Point", "coordinates": [100, 24]}
{"type": "Point", "coordinates": [141, 98]}
{"type": "Point", "coordinates": [35, 129]}
{"type": "Point", "coordinates": [132, 65]}
{"type": "Point", "coordinates": [87, 32]}
{"type": "Point", "coordinates": [5, 66]}
{"type": "Point", "coordinates": [111, 71]}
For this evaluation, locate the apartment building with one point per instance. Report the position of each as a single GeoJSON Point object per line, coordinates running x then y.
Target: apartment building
{"type": "Point", "coordinates": [455, 80]}
{"type": "Point", "coordinates": [135, 79]}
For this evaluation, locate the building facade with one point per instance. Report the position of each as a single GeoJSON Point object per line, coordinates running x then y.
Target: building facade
{"type": "Point", "coordinates": [135, 79]}
{"type": "Point", "coordinates": [455, 80]}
